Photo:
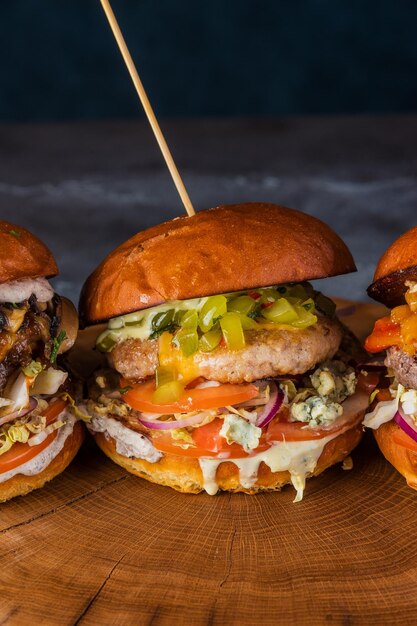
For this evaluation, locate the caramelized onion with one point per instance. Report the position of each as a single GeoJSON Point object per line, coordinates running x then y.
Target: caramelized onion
{"type": "Point", "coordinates": [33, 403]}
{"type": "Point", "coordinates": [68, 322]}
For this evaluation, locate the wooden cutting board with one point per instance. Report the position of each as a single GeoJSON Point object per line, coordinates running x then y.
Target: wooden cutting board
{"type": "Point", "coordinates": [99, 546]}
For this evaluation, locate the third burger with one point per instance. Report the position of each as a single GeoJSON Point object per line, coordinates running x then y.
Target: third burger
{"type": "Point", "coordinates": [394, 418]}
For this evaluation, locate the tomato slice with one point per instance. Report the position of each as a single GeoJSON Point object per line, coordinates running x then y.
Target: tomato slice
{"type": "Point", "coordinates": [293, 431]}
{"type": "Point", "coordinates": [280, 429]}
{"type": "Point", "coordinates": [20, 453]}
{"type": "Point", "coordinates": [208, 437]}
{"type": "Point", "coordinates": [209, 443]}
{"type": "Point", "coordinates": [54, 409]}
{"type": "Point", "coordinates": [386, 333]}
{"type": "Point", "coordinates": [383, 395]}
{"type": "Point", "coordinates": [140, 397]}
{"type": "Point", "coordinates": [402, 439]}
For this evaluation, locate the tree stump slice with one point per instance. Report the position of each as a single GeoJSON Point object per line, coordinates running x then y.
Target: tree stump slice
{"type": "Point", "coordinates": [99, 546]}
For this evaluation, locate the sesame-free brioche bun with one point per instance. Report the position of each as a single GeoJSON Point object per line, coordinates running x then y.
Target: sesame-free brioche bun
{"type": "Point", "coordinates": [20, 485]}
{"type": "Point", "coordinates": [225, 249]}
{"type": "Point", "coordinates": [22, 255]}
{"type": "Point", "coordinates": [397, 265]}
{"type": "Point", "coordinates": [184, 474]}
{"type": "Point", "coordinates": [404, 460]}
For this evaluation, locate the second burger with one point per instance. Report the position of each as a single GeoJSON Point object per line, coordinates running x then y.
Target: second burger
{"type": "Point", "coordinates": [226, 369]}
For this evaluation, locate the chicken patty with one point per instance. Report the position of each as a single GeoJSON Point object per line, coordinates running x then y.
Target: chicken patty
{"type": "Point", "coordinates": [404, 366]}
{"type": "Point", "coordinates": [267, 353]}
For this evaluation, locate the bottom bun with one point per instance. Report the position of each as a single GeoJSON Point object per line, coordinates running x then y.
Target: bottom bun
{"type": "Point", "coordinates": [403, 459]}
{"type": "Point", "coordinates": [19, 484]}
{"type": "Point", "coordinates": [184, 474]}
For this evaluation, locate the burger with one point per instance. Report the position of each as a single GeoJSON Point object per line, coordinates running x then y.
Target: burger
{"type": "Point", "coordinates": [394, 416]}
{"type": "Point", "coordinates": [226, 369]}
{"type": "Point", "coordinates": [39, 433]}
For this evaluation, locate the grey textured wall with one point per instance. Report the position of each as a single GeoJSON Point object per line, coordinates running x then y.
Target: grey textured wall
{"type": "Point", "coordinates": [85, 188]}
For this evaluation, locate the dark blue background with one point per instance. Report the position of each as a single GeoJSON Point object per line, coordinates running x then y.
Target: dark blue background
{"type": "Point", "coordinates": [217, 57]}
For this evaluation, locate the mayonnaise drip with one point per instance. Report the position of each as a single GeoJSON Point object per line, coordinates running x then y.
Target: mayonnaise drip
{"type": "Point", "coordinates": [297, 457]}
{"type": "Point", "coordinates": [44, 458]}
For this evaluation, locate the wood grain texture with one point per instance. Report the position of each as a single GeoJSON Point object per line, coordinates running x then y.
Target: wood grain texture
{"type": "Point", "coordinates": [98, 546]}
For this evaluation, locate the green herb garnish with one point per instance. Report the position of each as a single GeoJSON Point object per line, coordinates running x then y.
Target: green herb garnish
{"type": "Point", "coordinates": [15, 233]}
{"type": "Point", "coordinates": [256, 312]}
{"type": "Point", "coordinates": [163, 322]}
{"type": "Point", "coordinates": [124, 390]}
{"type": "Point", "coordinates": [171, 328]}
{"type": "Point", "coordinates": [57, 344]}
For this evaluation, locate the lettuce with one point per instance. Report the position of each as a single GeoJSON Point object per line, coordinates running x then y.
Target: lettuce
{"type": "Point", "coordinates": [384, 411]}
{"type": "Point", "coordinates": [77, 412]}
{"type": "Point", "coordinates": [183, 437]}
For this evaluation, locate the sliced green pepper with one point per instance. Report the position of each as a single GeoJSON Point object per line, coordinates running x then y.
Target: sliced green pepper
{"type": "Point", "coordinates": [211, 339]}
{"type": "Point", "coordinates": [232, 331]}
{"type": "Point", "coordinates": [134, 320]}
{"type": "Point", "coordinates": [190, 319]}
{"type": "Point", "coordinates": [308, 305]}
{"type": "Point", "coordinates": [164, 375]}
{"type": "Point", "coordinates": [269, 294]}
{"type": "Point", "coordinates": [297, 291]}
{"type": "Point", "coordinates": [242, 304]}
{"type": "Point", "coordinates": [187, 340]}
{"type": "Point", "coordinates": [178, 317]}
{"type": "Point", "coordinates": [162, 319]}
{"type": "Point", "coordinates": [107, 343]}
{"type": "Point", "coordinates": [305, 318]}
{"type": "Point", "coordinates": [247, 322]}
{"type": "Point", "coordinates": [214, 308]}
{"type": "Point", "coordinates": [168, 393]}
{"type": "Point", "coordinates": [281, 312]}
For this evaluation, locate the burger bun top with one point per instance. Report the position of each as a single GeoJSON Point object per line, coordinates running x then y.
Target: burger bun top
{"type": "Point", "coordinates": [22, 255]}
{"type": "Point", "coordinates": [396, 266]}
{"type": "Point", "coordinates": [225, 249]}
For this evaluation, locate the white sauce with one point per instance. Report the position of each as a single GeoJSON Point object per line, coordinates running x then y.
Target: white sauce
{"type": "Point", "coordinates": [19, 290]}
{"type": "Point", "coordinates": [297, 457]}
{"type": "Point", "coordinates": [44, 458]}
{"type": "Point", "coordinates": [129, 443]}
{"type": "Point", "coordinates": [138, 325]}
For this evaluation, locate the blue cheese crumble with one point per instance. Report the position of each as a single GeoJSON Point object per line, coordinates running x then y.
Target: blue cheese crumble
{"type": "Point", "coordinates": [320, 405]}
{"type": "Point", "coordinates": [235, 429]}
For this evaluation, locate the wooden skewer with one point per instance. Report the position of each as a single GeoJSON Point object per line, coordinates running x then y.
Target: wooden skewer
{"type": "Point", "coordinates": [147, 106]}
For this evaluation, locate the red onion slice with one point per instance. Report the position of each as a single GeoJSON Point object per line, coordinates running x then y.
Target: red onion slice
{"type": "Point", "coordinates": [272, 407]}
{"type": "Point", "coordinates": [346, 310]}
{"type": "Point", "coordinates": [270, 410]}
{"type": "Point", "coordinates": [184, 423]}
{"type": "Point", "coordinates": [406, 423]}
{"type": "Point", "coordinates": [33, 403]}
{"type": "Point", "coordinates": [371, 365]}
{"type": "Point", "coordinates": [295, 378]}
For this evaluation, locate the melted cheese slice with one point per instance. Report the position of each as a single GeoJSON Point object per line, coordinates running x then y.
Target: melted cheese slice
{"type": "Point", "coordinates": [173, 357]}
